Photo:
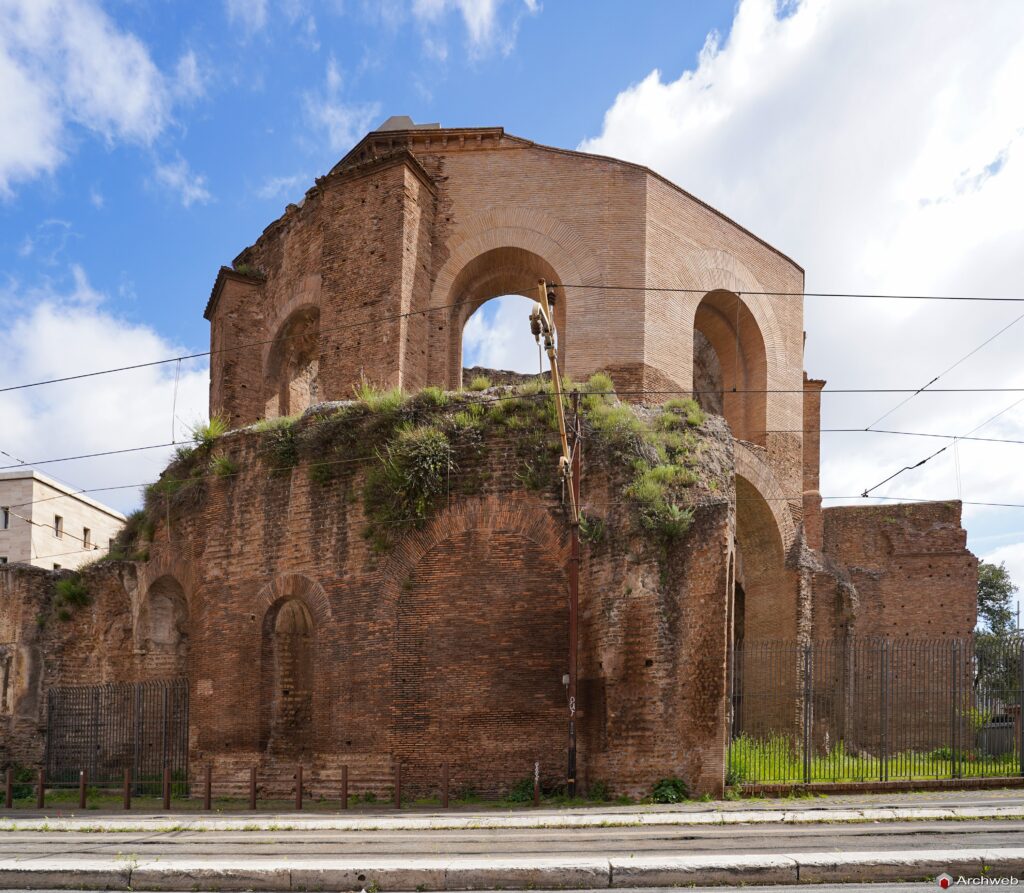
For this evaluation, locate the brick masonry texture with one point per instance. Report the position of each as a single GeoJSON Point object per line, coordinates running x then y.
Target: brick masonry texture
{"type": "Point", "coordinates": [301, 643]}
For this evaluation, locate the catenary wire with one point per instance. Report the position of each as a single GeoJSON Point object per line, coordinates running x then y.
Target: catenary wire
{"type": "Point", "coordinates": [410, 313]}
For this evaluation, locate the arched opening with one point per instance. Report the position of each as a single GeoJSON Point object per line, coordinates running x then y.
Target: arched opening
{"type": "Point", "coordinates": [764, 593]}
{"type": "Point", "coordinates": [293, 366]}
{"type": "Point", "coordinates": [497, 336]}
{"type": "Point", "coordinates": [163, 629]}
{"type": "Point", "coordinates": [730, 366]}
{"type": "Point", "coordinates": [288, 666]}
{"type": "Point", "coordinates": [500, 333]}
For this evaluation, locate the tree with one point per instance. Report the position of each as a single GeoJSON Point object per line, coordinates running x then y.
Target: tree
{"type": "Point", "coordinates": [995, 592]}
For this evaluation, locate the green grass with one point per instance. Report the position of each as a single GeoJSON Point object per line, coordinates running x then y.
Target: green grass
{"type": "Point", "coordinates": [778, 760]}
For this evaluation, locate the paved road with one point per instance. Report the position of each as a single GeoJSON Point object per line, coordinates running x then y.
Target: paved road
{"type": "Point", "coordinates": [898, 837]}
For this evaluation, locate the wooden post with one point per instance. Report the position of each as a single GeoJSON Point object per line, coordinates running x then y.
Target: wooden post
{"type": "Point", "coordinates": [41, 790]}
{"type": "Point", "coordinates": [344, 787]}
{"type": "Point", "coordinates": [298, 788]}
{"type": "Point", "coordinates": [252, 787]}
{"type": "Point", "coordinates": [81, 789]}
{"type": "Point", "coordinates": [444, 786]}
{"type": "Point", "coordinates": [127, 789]}
{"type": "Point", "coordinates": [167, 787]}
{"type": "Point", "coordinates": [208, 789]}
{"type": "Point", "coordinates": [398, 785]}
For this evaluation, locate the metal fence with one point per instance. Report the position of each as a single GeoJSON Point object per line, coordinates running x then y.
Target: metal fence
{"type": "Point", "coordinates": [106, 729]}
{"type": "Point", "coordinates": [876, 710]}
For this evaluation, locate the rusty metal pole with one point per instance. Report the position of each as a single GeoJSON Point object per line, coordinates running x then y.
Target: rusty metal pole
{"type": "Point", "coordinates": [298, 788]}
{"type": "Point", "coordinates": [208, 789]}
{"type": "Point", "coordinates": [9, 790]}
{"type": "Point", "coordinates": [444, 786]}
{"type": "Point", "coordinates": [252, 787]}
{"type": "Point", "coordinates": [41, 790]}
{"type": "Point", "coordinates": [127, 798]}
{"type": "Point", "coordinates": [81, 789]}
{"type": "Point", "coordinates": [344, 787]}
{"type": "Point", "coordinates": [574, 592]}
{"type": "Point", "coordinates": [167, 787]}
{"type": "Point", "coordinates": [398, 785]}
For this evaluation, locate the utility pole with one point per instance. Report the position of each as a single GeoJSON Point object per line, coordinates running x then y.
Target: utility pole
{"type": "Point", "coordinates": [542, 324]}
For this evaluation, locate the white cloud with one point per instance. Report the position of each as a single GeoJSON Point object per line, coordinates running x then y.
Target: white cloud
{"type": "Point", "coordinates": [485, 27]}
{"type": "Point", "coordinates": [342, 122]}
{"type": "Point", "coordinates": [177, 177]}
{"type": "Point", "coordinates": [96, 199]}
{"type": "Point", "coordinates": [498, 336]}
{"type": "Point", "coordinates": [65, 62]}
{"type": "Point", "coordinates": [189, 80]}
{"type": "Point", "coordinates": [884, 151]}
{"type": "Point", "coordinates": [53, 332]}
{"type": "Point", "coordinates": [250, 15]}
{"type": "Point", "coordinates": [273, 187]}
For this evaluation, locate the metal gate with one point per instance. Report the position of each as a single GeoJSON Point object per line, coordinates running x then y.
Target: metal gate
{"type": "Point", "coordinates": [106, 729]}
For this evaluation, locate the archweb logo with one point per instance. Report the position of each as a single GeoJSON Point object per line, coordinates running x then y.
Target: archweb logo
{"type": "Point", "coordinates": [945, 881]}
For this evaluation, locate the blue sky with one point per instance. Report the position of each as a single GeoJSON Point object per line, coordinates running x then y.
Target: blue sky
{"type": "Point", "coordinates": [144, 144]}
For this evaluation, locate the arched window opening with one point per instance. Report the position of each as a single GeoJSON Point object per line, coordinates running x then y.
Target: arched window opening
{"type": "Point", "coordinates": [163, 628]}
{"type": "Point", "coordinates": [289, 654]}
{"type": "Point", "coordinates": [497, 336]}
{"type": "Point", "coordinates": [730, 366]}
{"type": "Point", "coordinates": [291, 380]}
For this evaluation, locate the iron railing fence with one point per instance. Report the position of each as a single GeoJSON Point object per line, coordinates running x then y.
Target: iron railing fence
{"type": "Point", "coordinates": [854, 710]}
{"type": "Point", "coordinates": [106, 729]}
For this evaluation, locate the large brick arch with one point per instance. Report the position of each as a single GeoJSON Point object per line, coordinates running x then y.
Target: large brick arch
{"type": "Point", "coordinates": [752, 467]}
{"type": "Point", "coordinates": [561, 253]}
{"type": "Point", "coordinates": [480, 644]}
{"type": "Point", "coordinates": [297, 586]}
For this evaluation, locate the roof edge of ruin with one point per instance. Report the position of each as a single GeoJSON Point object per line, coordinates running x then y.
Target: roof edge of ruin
{"type": "Point", "coordinates": [445, 133]}
{"type": "Point", "coordinates": [223, 275]}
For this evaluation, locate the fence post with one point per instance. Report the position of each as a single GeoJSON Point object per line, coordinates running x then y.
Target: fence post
{"type": "Point", "coordinates": [883, 719]}
{"type": "Point", "coordinates": [298, 788]}
{"type": "Point", "coordinates": [398, 784]}
{"type": "Point", "coordinates": [954, 660]}
{"type": "Point", "coordinates": [81, 788]}
{"type": "Point", "coordinates": [536, 783]}
{"type": "Point", "coordinates": [444, 786]}
{"type": "Point", "coordinates": [252, 787]}
{"type": "Point", "coordinates": [808, 691]}
{"type": "Point", "coordinates": [9, 790]}
{"type": "Point", "coordinates": [1020, 704]}
{"type": "Point", "coordinates": [41, 790]}
{"type": "Point", "coordinates": [208, 789]}
{"type": "Point", "coordinates": [344, 787]}
{"type": "Point", "coordinates": [127, 800]}
{"type": "Point", "coordinates": [167, 787]}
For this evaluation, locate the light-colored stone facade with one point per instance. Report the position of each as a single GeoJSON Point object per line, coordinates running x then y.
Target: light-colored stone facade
{"type": "Point", "coordinates": [46, 524]}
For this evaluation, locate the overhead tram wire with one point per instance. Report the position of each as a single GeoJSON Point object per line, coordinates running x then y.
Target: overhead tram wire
{"type": "Point", "coordinates": [644, 392]}
{"type": "Point", "coordinates": [396, 316]}
{"type": "Point", "coordinates": [962, 359]}
{"type": "Point", "coordinates": [495, 399]}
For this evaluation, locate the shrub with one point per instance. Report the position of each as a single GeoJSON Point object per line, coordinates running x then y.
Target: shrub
{"type": "Point", "coordinates": [377, 400]}
{"type": "Point", "coordinates": [521, 791]}
{"type": "Point", "coordinates": [432, 396]}
{"type": "Point", "coordinates": [71, 591]}
{"type": "Point", "coordinates": [670, 790]}
{"type": "Point", "coordinates": [591, 529]}
{"type": "Point", "coordinates": [599, 791]}
{"type": "Point", "coordinates": [223, 466]}
{"type": "Point", "coordinates": [206, 434]}
{"type": "Point", "coordinates": [279, 444]}
{"type": "Point", "coordinates": [479, 383]}
{"type": "Point", "coordinates": [688, 408]}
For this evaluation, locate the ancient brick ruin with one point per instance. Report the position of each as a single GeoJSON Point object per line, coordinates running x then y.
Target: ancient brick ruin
{"type": "Point", "coordinates": [317, 622]}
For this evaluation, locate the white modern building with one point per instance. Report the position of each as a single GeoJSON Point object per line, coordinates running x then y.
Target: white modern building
{"type": "Point", "coordinates": [47, 524]}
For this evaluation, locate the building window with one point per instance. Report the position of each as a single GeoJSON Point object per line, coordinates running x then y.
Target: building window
{"type": "Point", "coordinates": [58, 526]}
{"type": "Point", "coordinates": [3, 559]}
{"type": "Point", "coordinates": [86, 538]}
{"type": "Point", "coordinates": [56, 567]}
{"type": "Point", "coordinates": [5, 517]}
